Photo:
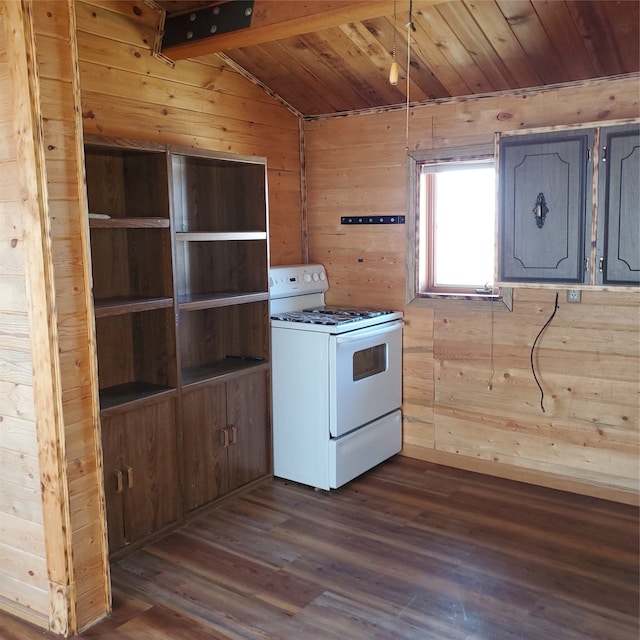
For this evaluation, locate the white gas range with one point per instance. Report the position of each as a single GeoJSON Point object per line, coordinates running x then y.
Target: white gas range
{"type": "Point", "coordinates": [337, 382]}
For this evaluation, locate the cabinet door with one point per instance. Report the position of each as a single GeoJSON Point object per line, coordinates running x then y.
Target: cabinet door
{"type": "Point", "coordinates": [204, 437]}
{"type": "Point", "coordinates": [140, 472]}
{"type": "Point", "coordinates": [151, 477]}
{"type": "Point", "coordinates": [618, 209]}
{"type": "Point", "coordinates": [247, 412]}
{"type": "Point", "coordinates": [113, 463]}
{"type": "Point", "coordinates": [544, 199]}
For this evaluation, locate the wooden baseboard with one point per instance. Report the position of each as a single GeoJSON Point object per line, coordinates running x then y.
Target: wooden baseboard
{"type": "Point", "coordinates": [24, 613]}
{"type": "Point", "coordinates": [530, 476]}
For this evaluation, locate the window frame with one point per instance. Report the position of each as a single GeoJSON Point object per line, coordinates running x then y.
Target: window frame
{"type": "Point", "coordinates": [415, 161]}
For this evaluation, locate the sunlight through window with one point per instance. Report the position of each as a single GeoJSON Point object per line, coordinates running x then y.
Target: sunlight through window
{"type": "Point", "coordinates": [457, 227]}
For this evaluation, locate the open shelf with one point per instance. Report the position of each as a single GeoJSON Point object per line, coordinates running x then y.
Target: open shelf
{"type": "Point", "coordinates": [126, 183]}
{"type": "Point", "coordinates": [208, 336]}
{"type": "Point", "coordinates": [221, 268]}
{"type": "Point", "coordinates": [130, 393]}
{"type": "Point", "coordinates": [131, 263]}
{"type": "Point", "coordinates": [135, 348]}
{"type": "Point", "coordinates": [118, 306]}
{"type": "Point", "coordinates": [128, 223]}
{"type": "Point", "coordinates": [190, 302]}
{"type": "Point", "coordinates": [218, 370]}
{"type": "Point", "coordinates": [218, 195]}
{"type": "Point", "coordinates": [201, 236]}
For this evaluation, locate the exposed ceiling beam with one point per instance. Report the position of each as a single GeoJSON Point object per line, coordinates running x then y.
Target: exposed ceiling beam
{"type": "Point", "coordinates": [278, 19]}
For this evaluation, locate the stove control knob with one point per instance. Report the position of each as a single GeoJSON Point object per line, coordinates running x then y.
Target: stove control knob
{"type": "Point", "coordinates": [307, 277]}
{"type": "Point", "coordinates": [271, 282]}
{"type": "Point", "coordinates": [315, 277]}
{"type": "Point", "coordinates": [323, 275]}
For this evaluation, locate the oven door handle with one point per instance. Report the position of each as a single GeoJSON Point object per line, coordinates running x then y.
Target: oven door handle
{"type": "Point", "coordinates": [369, 332]}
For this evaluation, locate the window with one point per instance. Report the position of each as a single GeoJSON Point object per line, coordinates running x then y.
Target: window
{"type": "Point", "coordinates": [453, 195]}
{"type": "Point", "coordinates": [369, 362]}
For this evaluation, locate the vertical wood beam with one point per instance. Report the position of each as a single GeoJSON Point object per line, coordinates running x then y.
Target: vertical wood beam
{"type": "Point", "coordinates": [43, 326]}
{"type": "Point", "coordinates": [87, 612]}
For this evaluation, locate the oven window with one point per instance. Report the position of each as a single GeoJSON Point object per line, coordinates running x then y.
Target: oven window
{"type": "Point", "coordinates": [369, 361]}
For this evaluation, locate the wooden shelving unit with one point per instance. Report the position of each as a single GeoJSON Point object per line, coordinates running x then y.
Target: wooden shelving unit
{"type": "Point", "coordinates": [133, 290]}
{"type": "Point", "coordinates": [221, 253]}
{"type": "Point", "coordinates": [179, 243]}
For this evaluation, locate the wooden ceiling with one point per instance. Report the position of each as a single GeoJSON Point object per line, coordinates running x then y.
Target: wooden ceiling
{"type": "Point", "coordinates": [338, 59]}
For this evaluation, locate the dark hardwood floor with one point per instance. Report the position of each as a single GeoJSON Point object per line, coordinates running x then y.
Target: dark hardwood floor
{"type": "Point", "coordinates": [410, 550]}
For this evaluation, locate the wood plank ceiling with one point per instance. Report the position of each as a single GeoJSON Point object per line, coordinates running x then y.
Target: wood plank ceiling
{"type": "Point", "coordinates": [457, 48]}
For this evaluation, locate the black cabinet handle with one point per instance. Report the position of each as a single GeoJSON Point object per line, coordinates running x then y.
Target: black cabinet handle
{"type": "Point", "coordinates": [540, 210]}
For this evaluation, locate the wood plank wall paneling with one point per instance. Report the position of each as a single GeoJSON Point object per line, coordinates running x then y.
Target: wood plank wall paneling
{"type": "Point", "coordinates": [54, 24]}
{"type": "Point", "coordinates": [42, 579]}
{"type": "Point", "coordinates": [588, 361]}
{"type": "Point", "coordinates": [24, 585]}
{"type": "Point", "coordinates": [126, 92]}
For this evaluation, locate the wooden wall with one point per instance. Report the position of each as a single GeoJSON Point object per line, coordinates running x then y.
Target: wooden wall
{"type": "Point", "coordinates": [56, 52]}
{"type": "Point", "coordinates": [56, 560]}
{"type": "Point", "coordinates": [469, 396]}
{"type": "Point", "coordinates": [24, 585]}
{"type": "Point", "coordinates": [54, 566]}
{"type": "Point", "coordinates": [203, 104]}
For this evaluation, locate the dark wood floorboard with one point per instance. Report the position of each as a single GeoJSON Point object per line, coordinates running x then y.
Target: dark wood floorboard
{"type": "Point", "coordinates": [408, 551]}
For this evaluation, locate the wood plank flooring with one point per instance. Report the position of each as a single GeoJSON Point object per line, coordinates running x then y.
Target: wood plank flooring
{"type": "Point", "coordinates": [410, 550]}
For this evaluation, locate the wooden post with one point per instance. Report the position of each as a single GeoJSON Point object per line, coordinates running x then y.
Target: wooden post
{"type": "Point", "coordinates": [43, 328]}
{"type": "Point", "coordinates": [71, 481]}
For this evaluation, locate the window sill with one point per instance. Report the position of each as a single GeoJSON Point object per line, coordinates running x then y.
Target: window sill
{"type": "Point", "coordinates": [427, 299]}
{"type": "Point", "coordinates": [460, 296]}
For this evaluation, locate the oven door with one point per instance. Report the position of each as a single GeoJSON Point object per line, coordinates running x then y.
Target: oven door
{"type": "Point", "coordinates": [365, 376]}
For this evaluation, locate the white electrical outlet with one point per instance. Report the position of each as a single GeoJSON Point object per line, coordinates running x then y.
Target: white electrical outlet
{"type": "Point", "coordinates": [574, 295]}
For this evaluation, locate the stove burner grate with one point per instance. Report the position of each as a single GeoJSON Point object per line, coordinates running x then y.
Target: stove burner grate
{"type": "Point", "coordinates": [331, 316]}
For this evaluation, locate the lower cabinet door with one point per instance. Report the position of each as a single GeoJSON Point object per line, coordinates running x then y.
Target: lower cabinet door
{"type": "Point", "coordinates": [204, 444]}
{"type": "Point", "coordinates": [247, 420]}
{"type": "Point", "coordinates": [113, 465]}
{"type": "Point", "coordinates": [225, 437]}
{"type": "Point", "coordinates": [141, 476]}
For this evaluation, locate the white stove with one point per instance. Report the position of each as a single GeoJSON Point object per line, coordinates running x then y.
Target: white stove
{"type": "Point", "coordinates": [337, 381]}
{"type": "Point", "coordinates": [297, 295]}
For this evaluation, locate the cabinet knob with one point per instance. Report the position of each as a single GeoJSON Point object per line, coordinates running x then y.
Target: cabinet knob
{"type": "Point", "coordinates": [225, 437]}
{"type": "Point", "coordinates": [234, 434]}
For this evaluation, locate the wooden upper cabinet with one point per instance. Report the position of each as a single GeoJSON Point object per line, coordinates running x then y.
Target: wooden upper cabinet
{"type": "Point", "coordinates": [547, 233]}
{"type": "Point", "coordinates": [619, 206]}
{"type": "Point", "coordinates": [544, 198]}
